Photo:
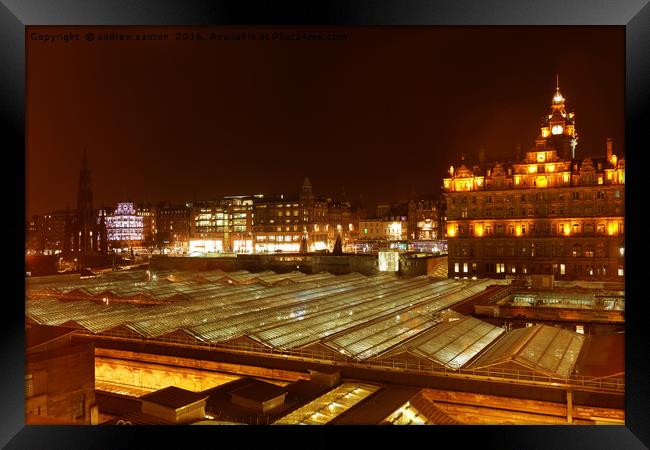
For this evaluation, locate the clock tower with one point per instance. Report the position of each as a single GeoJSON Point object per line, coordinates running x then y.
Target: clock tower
{"type": "Point", "coordinates": [558, 130]}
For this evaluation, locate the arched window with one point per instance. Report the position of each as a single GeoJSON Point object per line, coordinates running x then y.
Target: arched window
{"type": "Point", "coordinates": [576, 228]}
{"type": "Point", "coordinates": [589, 228]}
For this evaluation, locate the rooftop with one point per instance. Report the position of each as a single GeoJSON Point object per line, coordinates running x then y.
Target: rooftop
{"type": "Point", "coordinates": [174, 397]}
{"type": "Point", "coordinates": [549, 350]}
{"type": "Point", "coordinates": [452, 344]}
{"type": "Point", "coordinates": [329, 405]}
{"type": "Point", "coordinates": [355, 315]}
{"type": "Point", "coordinates": [259, 391]}
{"type": "Point", "coordinates": [36, 335]}
{"type": "Point", "coordinates": [602, 356]}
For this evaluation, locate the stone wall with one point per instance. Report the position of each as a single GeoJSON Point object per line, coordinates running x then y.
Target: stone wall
{"type": "Point", "coordinates": [307, 263]}
{"type": "Point", "coordinates": [365, 264]}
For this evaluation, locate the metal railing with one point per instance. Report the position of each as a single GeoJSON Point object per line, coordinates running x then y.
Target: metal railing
{"type": "Point", "coordinates": [490, 374]}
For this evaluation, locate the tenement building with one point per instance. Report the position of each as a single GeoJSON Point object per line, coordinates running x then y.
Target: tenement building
{"type": "Point", "coordinates": [173, 227]}
{"type": "Point", "coordinates": [546, 213]}
{"type": "Point", "coordinates": [223, 225]}
{"type": "Point", "coordinates": [292, 223]}
{"type": "Point", "coordinates": [46, 232]}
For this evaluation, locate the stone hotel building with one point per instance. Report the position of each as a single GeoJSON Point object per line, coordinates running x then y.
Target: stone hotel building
{"type": "Point", "coordinates": [546, 213]}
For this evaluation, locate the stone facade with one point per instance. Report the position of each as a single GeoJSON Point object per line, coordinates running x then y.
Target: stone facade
{"type": "Point", "coordinates": [545, 213]}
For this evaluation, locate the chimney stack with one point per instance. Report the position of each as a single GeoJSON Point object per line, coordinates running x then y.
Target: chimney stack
{"type": "Point", "coordinates": [609, 149]}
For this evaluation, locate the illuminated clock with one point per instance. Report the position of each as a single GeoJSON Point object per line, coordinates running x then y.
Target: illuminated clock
{"type": "Point", "coordinates": [557, 129]}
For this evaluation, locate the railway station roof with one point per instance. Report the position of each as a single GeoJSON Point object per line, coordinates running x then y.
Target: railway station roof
{"type": "Point", "coordinates": [360, 316]}
{"type": "Point", "coordinates": [543, 348]}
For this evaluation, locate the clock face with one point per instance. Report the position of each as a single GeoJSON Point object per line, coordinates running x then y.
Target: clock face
{"type": "Point", "coordinates": [557, 129]}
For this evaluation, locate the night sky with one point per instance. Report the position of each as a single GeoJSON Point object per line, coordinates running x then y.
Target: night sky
{"type": "Point", "coordinates": [380, 114]}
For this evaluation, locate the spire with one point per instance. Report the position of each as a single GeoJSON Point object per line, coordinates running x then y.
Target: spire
{"type": "Point", "coordinates": [557, 98]}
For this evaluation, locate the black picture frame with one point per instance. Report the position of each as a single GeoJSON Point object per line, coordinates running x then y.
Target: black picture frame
{"type": "Point", "coordinates": [15, 15]}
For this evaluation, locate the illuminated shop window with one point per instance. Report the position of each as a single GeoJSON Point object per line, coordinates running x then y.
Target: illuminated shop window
{"type": "Point", "coordinates": [580, 329]}
{"type": "Point", "coordinates": [456, 267]}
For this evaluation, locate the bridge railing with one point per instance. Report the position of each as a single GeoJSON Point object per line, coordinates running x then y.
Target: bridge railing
{"type": "Point", "coordinates": [616, 384]}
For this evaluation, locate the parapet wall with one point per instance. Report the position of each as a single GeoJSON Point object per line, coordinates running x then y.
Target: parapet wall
{"type": "Point", "coordinates": [303, 262]}
{"type": "Point", "coordinates": [365, 264]}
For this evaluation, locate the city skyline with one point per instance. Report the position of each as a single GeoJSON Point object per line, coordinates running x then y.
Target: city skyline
{"type": "Point", "coordinates": [431, 115]}
{"type": "Point", "coordinates": [487, 287]}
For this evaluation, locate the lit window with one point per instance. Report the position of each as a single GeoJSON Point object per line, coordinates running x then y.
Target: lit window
{"type": "Point", "coordinates": [622, 251]}
{"type": "Point", "coordinates": [456, 267]}
{"type": "Point", "coordinates": [562, 269]}
{"type": "Point", "coordinates": [465, 268]}
{"type": "Point", "coordinates": [620, 271]}
{"type": "Point", "coordinates": [528, 324]}
{"type": "Point", "coordinates": [580, 329]}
